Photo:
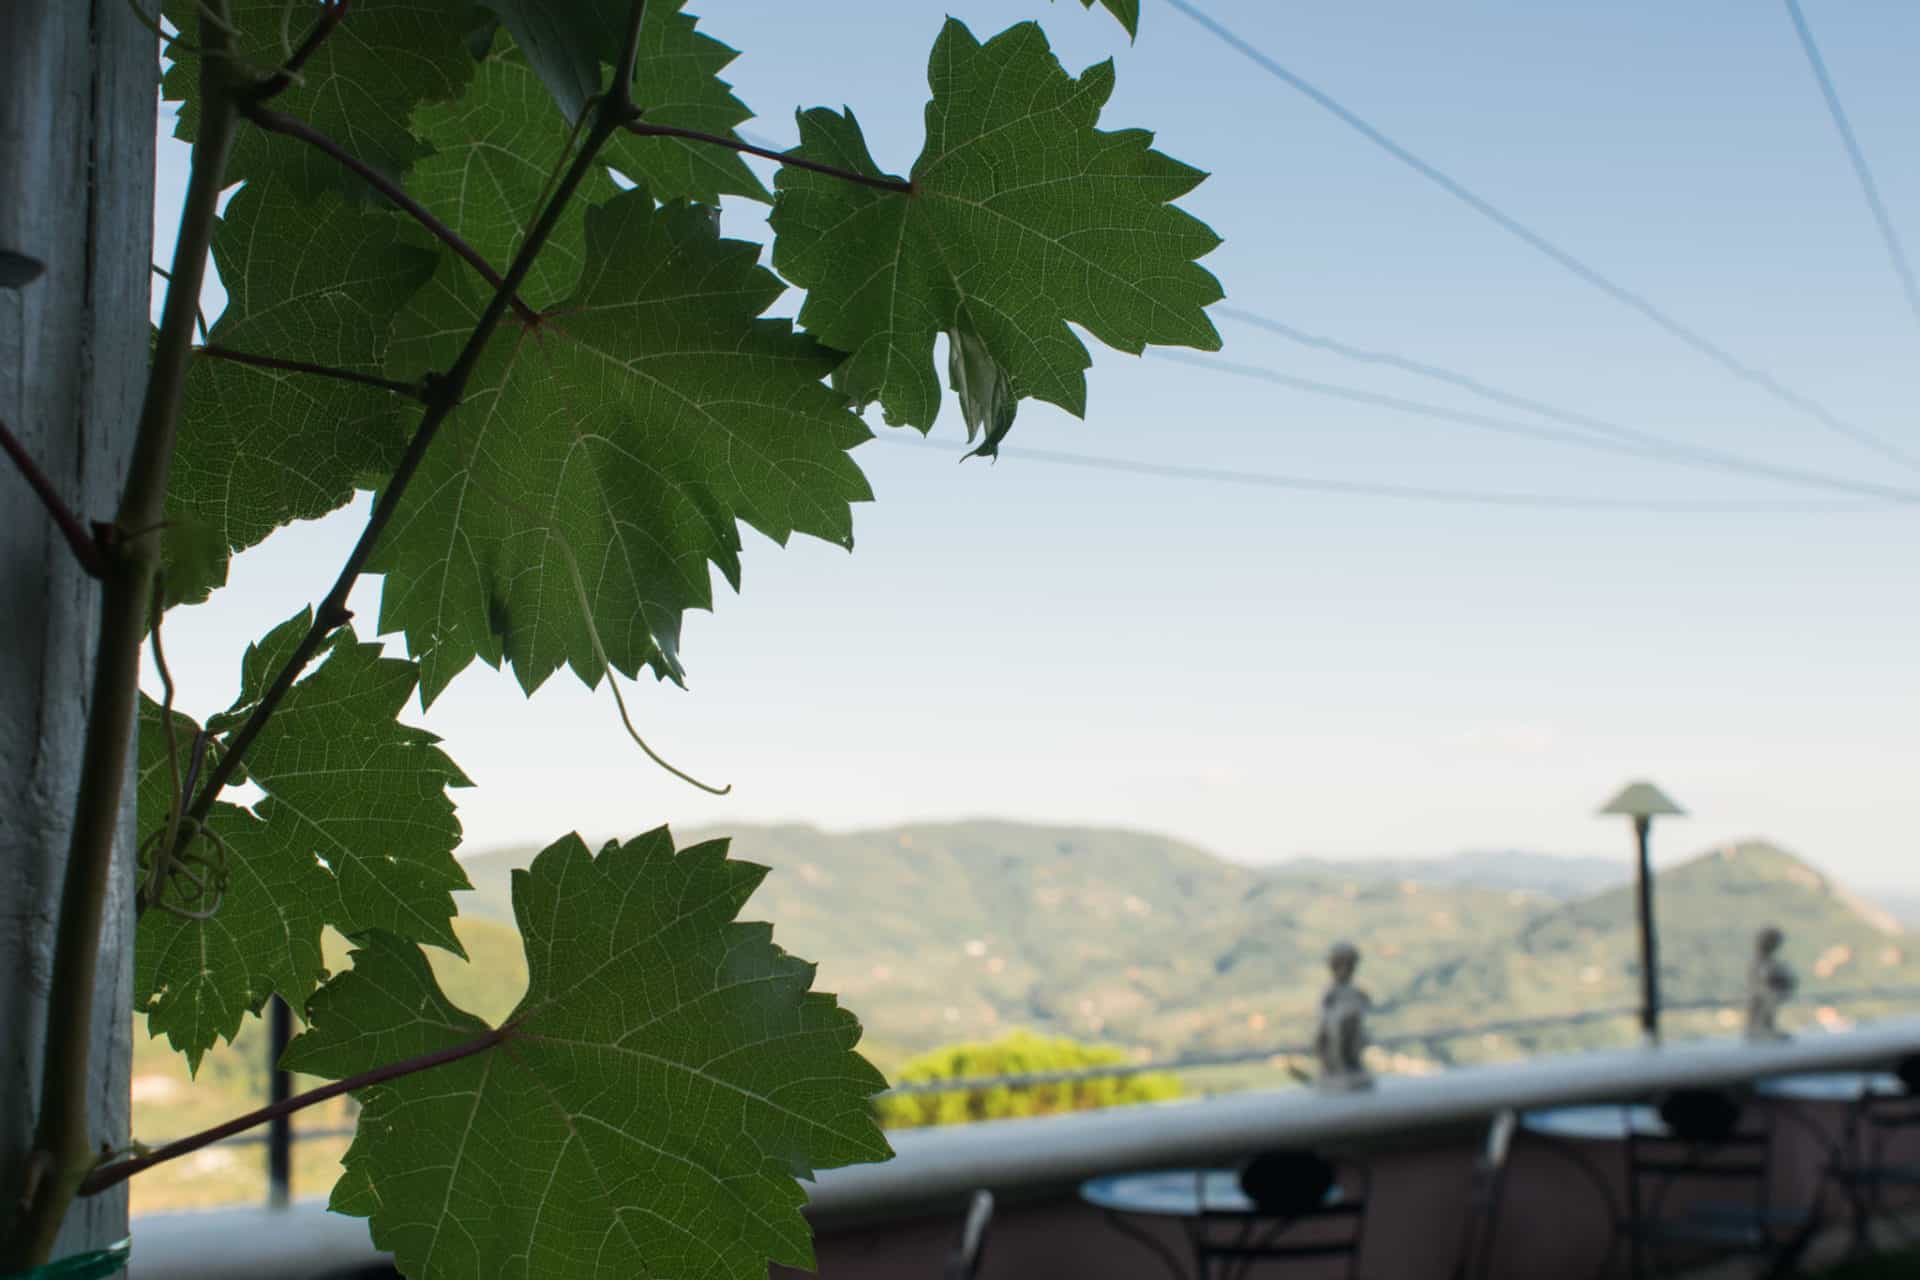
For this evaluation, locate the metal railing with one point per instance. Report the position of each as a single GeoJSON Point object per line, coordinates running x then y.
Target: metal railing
{"type": "Point", "coordinates": [280, 1136]}
{"type": "Point", "coordinates": [1424, 1037]}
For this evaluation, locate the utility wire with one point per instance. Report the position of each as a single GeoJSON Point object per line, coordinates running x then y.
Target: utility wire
{"type": "Point", "coordinates": [1514, 227]}
{"type": "Point", "coordinates": [1366, 489]}
{"type": "Point", "coordinates": [1651, 444]}
{"type": "Point", "coordinates": [1658, 452]}
{"type": "Point", "coordinates": [1861, 169]}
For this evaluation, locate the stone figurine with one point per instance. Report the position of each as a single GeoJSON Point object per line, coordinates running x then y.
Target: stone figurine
{"type": "Point", "coordinates": [1341, 1039]}
{"type": "Point", "coordinates": [1769, 983]}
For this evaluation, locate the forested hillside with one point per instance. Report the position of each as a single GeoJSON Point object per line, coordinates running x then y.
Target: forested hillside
{"type": "Point", "coordinates": [945, 931]}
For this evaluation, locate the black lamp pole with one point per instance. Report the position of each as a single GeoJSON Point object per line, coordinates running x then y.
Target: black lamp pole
{"type": "Point", "coordinates": [1643, 802]}
{"type": "Point", "coordinates": [1649, 950]}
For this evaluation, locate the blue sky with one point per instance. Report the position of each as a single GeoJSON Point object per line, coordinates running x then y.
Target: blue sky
{"type": "Point", "coordinates": [1270, 672]}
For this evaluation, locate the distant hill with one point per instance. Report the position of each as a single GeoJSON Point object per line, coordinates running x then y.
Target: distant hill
{"type": "Point", "coordinates": [1549, 875]}
{"type": "Point", "coordinates": [1904, 907]}
{"type": "Point", "coordinates": [1585, 953]}
{"type": "Point", "coordinates": [937, 932]}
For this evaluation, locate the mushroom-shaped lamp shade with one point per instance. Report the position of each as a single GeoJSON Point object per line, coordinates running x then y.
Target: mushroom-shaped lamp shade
{"type": "Point", "coordinates": [1642, 800]}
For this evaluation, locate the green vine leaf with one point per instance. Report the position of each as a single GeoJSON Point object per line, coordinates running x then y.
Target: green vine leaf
{"type": "Point", "coordinates": [355, 830]}
{"type": "Point", "coordinates": [1023, 217]}
{"type": "Point", "coordinates": [601, 463]}
{"type": "Point", "coordinates": [494, 157]}
{"type": "Point", "coordinates": [665, 1080]}
{"type": "Point", "coordinates": [360, 87]}
{"type": "Point", "coordinates": [311, 279]}
{"type": "Point", "coordinates": [676, 82]}
{"type": "Point", "coordinates": [197, 979]}
{"type": "Point", "coordinates": [1126, 11]}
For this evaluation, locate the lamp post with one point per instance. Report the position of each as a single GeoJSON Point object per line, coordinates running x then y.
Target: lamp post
{"type": "Point", "coordinates": [1643, 802]}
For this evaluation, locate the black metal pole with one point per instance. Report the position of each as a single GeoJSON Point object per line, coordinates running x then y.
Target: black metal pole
{"type": "Point", "coordinates": [1649, 951]}
{"type": "Point", "coordinates": [280, 1128]}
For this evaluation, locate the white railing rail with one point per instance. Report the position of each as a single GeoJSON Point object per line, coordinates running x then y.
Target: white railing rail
{"type": "Point", "coordinates": [936, 1169]}
{"type": "Point", "coordinates": [1422, 1037]}
{"type": "Point", "coordinates": [936, 1165]}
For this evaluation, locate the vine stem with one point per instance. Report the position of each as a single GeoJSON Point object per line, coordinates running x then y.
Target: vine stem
{"type": "Point", "coordinates": [443, 395]}
{"type": "Point", "coordinates": [411, 390]}
{"type": "Point", "coordinates": [331, 15]}
{"type": "Point", "coordinates": [642, 129]}
{"type": "Point", "coordinates": [293, 127]}
{"type": "Point", "coordinates": [110, 1175]}
{"type": "Point", "coordinates": [86, 548]}
{"type": "Point", "coordinates": [62, 1152]}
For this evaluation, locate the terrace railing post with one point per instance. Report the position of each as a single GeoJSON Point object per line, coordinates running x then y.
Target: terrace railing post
{"type": "Point", "coordinates": [76, 227]}
{"type": "Point", "coordinates": [280, 1128]}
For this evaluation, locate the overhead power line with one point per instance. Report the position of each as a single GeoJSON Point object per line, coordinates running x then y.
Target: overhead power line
{"type": "Point", "coordinates": [1669, 453]}
{"type": "Point", "coordinates": [1514, 227]}
{"type": "Point", "coordinates": [1414, 493]}
{"type": "Point", "coordinates": [1646, 443]}
{"type": "Point", "coordinates": [1861, 169]}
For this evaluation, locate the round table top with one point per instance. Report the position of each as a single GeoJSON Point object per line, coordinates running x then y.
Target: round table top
{"type": "Point", "coordinates": [1176, 1192]}
{"type": "Point", "coordinates": [1594, 1122]}
{"type": "Point", "coordinates": [1830, 1086]}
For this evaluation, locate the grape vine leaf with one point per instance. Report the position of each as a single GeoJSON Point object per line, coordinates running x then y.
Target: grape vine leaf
{"type": "Point", "coordinates": [600, 462]}
{"type": "Point", "coordinates": [317, 280]}
{"type": "Point", "coordinates": [1023, 217]}
{"type": "Point", "coordinates": [493, 160]}
{"type": "Point", "coordinates": [359, 87]}
{"type": "Point", "coordinates": [355, 830]}
{"type": "Point", "coordinates": [1127, 12]}
{"type": "Point", "coordinates": [676, 82]}
{"type": "Point", "coordinates": [666, 1078]}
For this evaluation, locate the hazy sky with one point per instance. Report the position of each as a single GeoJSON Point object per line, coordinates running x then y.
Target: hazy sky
{"type": "Point", "coordinates": [1272, 672]}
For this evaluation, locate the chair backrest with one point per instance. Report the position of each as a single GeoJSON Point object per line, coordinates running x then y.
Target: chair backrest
{"type": "Point", "coordinates": [964, 1262]}
{"type": "Point", "coordinates": [1700, 1115]}
{"type": "Point", "coordinates": [1285, 1184]}
{"type": "Point", "coordinates": [1710, 1137]}
{"type": "Point", "coordinates": [1874, 1121]}
{"type": "Point", "coordinates": [1483, 1209]}
{"type": "Point", "coordinates": [1301, 1208]}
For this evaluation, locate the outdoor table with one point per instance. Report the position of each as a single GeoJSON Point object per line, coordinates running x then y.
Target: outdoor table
{"type": "Point", "coordinates": [1593, 1122]}
{"type": "Point", "coordinates": [1183, 1195]}
{"type": "Point", "coordinates": [1852, 1088]}
{"type": "Point", "coordinates": [1829, 1086]}
{"type": "Point", "coordinates": [1573, 1132]}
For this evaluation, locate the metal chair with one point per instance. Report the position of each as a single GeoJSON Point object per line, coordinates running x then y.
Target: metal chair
{"type": "Point", "coordinates": [1710, 1140]}
{"type": "Point", "coordinates": [964, 1262]}
{"type": "Point", "coordinates": [1483, 1205]}
{"type": "Point", "coordinates": [1296, 1207]}
{"type": "Point", "coordinates": [1866, 1170]}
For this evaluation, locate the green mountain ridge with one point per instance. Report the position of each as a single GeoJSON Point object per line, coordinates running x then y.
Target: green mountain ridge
{"type": "Point", "coordinates": [936, 932]}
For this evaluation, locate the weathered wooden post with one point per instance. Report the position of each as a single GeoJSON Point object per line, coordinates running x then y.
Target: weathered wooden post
{"type": "Point", "coordinates": [77, 103]}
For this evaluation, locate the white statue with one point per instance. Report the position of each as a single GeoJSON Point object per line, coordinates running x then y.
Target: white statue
{"type": "Point", "coordinates": [1769, 983]}
{"type": "Point", "coordinates": [1342, 1037]}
